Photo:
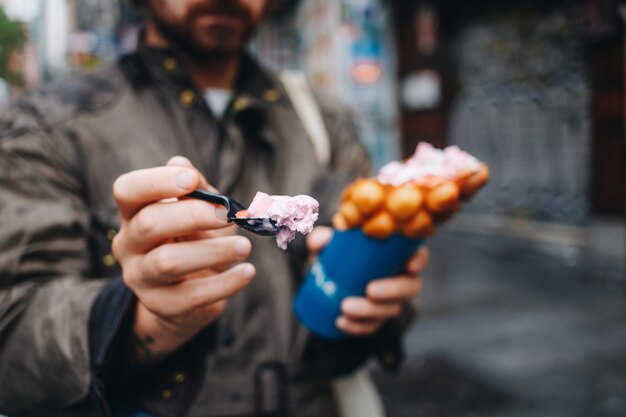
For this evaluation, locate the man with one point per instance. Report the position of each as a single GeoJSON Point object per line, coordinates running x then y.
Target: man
{"type": "Point", "coordinates": [172, 321]}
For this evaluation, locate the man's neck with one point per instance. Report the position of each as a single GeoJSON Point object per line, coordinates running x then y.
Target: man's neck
{"type": "Point", "coordinates": [220, 72]}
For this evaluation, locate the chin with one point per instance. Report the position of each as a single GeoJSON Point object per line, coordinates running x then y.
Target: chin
{"type": "Point", "coordinates": [219, 41]}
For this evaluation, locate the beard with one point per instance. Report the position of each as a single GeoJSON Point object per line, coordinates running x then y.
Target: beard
{"type": "Point", "coordinates": [201, 35]}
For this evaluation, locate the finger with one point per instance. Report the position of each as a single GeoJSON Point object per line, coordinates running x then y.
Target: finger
{"type": "Point", "coordinates": [173, 260]}
{"type": "Point", "coordinates": [360, 308]}
{"type": "Point", "coordinates": [394, 289]}
{"type": "Point", "coordinates": [137, 189]}
{"type": "Point", "coordinates": [419, 261]}
{"type": "Point", "coordinates": [189, 296]}
{"type": "Point", "coordinates": [159, 222]}
{"type": "Point", "coordinates": [204, 291]}
{"type": "Point", "coordinates": [181, 161]}
{"type": "Point", "coordinates": [358, 328]}
{"type": "Point", "coordinates": [319, 238]}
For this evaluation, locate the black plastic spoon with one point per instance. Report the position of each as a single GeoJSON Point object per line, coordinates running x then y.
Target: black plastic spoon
{"type": "Point", "coordinates": [263, 226]}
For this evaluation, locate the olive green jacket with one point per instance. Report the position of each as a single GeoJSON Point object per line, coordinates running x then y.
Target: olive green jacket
{"type": "Point", "coordinates": [64, 310]}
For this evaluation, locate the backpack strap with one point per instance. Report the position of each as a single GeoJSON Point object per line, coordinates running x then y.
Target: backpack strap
{"type": "Point", "coordinates": [307, 109]}
{"type": "Point", "coordinates": [356, 394]}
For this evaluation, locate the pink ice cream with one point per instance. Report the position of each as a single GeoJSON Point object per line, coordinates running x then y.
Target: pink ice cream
{"type": "Point", "coordinates": [428, 164]}
{"type": "Point", "coordinates": [291, 214]}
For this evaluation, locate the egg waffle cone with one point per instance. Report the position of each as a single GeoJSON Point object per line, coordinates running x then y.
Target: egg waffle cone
{"type": "Point", "coordinates": [411, 209]}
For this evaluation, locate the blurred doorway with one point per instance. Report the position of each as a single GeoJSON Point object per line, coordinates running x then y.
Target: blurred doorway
{"type": "Point", "coordinates": [536, 89]}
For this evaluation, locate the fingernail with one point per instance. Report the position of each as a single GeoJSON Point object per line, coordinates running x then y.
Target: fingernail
{"type": "Point", "coordinates": [221, 214]}
{"type": "Point", "coordinates": [248, 271]}
{"type": "Point", "coordinates": [350, 306]}
{"type": "Point", "coordinates": [242, 247]}
{"type": "Point", "coordinates": [184, 180]}
{"type": "Point", "coordinates": [179, 161]}
{"type": "Point", "coordinates": [341, 322]}
{"type": "Point", "coordinates": [377, 291]}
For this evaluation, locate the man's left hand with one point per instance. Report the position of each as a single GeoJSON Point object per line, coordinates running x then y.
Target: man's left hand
{"type": "Point", "coordinates": [364, 316]}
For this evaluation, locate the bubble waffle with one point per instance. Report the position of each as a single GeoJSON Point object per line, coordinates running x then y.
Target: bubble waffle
{"type": "Point", "coordinates": [412, 197]}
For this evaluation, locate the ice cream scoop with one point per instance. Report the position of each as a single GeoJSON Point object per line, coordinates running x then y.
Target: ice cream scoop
{"type": "Point", "coordinates": [268, 215]}
{"type": "Point", "coordinates": [429, 166]}
{"type": "Point", "coordinates": [291, 214]}
{"type": "Point", "coordinates": [410, 197]}
{"type": "Point", "coordinates": [263, 225]}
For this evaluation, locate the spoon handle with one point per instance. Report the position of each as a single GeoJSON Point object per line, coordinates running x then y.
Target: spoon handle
{"type": "Point", "coordinates": [211, 198]}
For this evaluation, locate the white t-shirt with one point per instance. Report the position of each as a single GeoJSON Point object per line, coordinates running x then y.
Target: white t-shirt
{"type": "Point", "coordinates": [218, 99]}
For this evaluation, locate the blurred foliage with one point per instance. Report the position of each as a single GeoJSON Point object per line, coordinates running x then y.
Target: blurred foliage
{"type": "Point", "coordinates": [12, 39]}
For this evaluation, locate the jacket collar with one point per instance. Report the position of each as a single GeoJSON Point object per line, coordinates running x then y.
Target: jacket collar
{"type": "Point", "coordinates": [255, 87]}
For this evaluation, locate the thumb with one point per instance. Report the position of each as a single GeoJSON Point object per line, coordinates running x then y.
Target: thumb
{"type": "Point", "coordinates": [181, 161]}
{"type": "Point", "coordinates": [319, 238]}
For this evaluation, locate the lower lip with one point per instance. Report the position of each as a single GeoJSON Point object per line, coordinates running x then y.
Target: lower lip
{"type": "Point", "coordinates": [218, 19]}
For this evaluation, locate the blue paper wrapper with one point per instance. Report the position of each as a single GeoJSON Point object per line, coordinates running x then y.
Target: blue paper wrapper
{"type": "Point", "coordinates": [344, 268]}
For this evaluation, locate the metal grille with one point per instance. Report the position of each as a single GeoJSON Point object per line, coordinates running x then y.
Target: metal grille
{"type": "Point", "coordinates": [523, 108]}
{"type": "Point", "coordinates": [536, 143]}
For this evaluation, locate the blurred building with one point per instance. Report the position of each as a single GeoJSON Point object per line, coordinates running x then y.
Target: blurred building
{"type": "Point", "coordinates": [536, 89]}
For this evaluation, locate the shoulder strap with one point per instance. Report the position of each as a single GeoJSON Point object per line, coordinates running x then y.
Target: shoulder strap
{"type": "Point", "coordinates": [355, 394]}
{"type": "Point", "coordinates": [308, 111]}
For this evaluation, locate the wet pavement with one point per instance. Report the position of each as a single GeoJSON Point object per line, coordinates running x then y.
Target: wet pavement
{"type": "Point", "coordinates": [512, 328]}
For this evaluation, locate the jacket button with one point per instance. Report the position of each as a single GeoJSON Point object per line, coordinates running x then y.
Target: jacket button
{"type": "Point", "coordinates": [179, 377]}
{"type": "Point", "coordinates": [271, 96]}
{"type": "Point", "coordinates": [170, 64]}
{"type": "Point", "coordinates": [389, 359]}
{"type": "Point", "coordinates": [108, 260]}
{"type": "Point", "coordinates": [187, 97]}
{"type": "Point", "coordinates": [240, 104]}
{"type": "Point", "coordinates": [166, 394]}
{"type": "Point", "coordinates": [111, 234]}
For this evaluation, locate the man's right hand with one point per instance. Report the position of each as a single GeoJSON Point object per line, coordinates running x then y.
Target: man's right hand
{"type": "Point", "coordinates": [179, 256]}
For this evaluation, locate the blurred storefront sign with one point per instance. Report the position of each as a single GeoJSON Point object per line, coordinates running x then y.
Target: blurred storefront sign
{"type": "Point", "coordinates": [348, 52]}
{"type": "Point", "coordinates": [367, 72]}
{"type": "Point", "coordinates": [367, 56]}
{"type": "Point", "coordinates": [421, 90]}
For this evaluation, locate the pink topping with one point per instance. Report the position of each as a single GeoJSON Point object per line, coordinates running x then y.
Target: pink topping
{"type": "Point", "coordinates": [291, 214]}
{"type": "Point", "coordinates": [428, 165]}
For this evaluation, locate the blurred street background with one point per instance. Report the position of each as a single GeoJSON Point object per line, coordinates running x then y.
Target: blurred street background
{"type": "Point", "coordinates": [524, 307]}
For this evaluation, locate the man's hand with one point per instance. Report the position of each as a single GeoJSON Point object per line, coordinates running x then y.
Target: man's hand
{"type": "Point", "coordinates": [179, 256]}
{"type": "Point", "coordinates": [364, 316]}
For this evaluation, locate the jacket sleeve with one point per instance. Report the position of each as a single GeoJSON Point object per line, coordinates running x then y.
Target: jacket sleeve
{"type": "Point", "coordinates": [350, 161]}
{"type": "Point", "coordinates": [45, 298]}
